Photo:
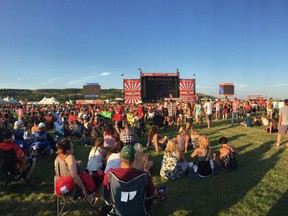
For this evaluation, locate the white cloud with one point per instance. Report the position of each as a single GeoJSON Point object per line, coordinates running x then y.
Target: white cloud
{"type": "Point", "coordinates": [241, 85]}
{"type": "Point", "coordinates": [50, 81]}
{"type": "Point", "coordinates": [205, 87]}
{"type": "Point", "coordinates": [94, 66]}
{"type": "Point", "coordinates": [85, 79]}
{"type": "Point", "coordinates": [281, 84]}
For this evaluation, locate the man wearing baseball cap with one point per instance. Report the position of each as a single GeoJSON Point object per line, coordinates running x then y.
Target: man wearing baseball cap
{"type": "Point", "coordinates": [126, 172]}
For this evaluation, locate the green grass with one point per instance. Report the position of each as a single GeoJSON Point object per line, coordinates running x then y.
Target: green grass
{"type": "Point", "coordinates": [258, 187]}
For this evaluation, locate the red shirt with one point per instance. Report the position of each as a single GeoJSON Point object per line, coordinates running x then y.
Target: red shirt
{"type": "Point", "coordinates": [11, 145]}
{"type": "Point", "coordinates": [140, 112]}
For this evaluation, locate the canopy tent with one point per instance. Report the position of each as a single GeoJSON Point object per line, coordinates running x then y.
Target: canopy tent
{"type": "Point", "coordinates": [42, 101]}
{"type": "Point", "coordinates": [51, 100]}
{"type": "Point", "coordinates": [11, 100]}
{"type": "Point", "coordinates": [2, 101]}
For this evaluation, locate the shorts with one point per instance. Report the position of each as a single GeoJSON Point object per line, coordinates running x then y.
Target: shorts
{"type": "Point", "coordinates": [209, 117]}
{"type": "Point", "coordinates": [189, 120]}
{"type": "Point", "coordinates": [283, 129]}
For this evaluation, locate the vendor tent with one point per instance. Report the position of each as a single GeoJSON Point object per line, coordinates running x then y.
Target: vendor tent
{"type": "Point", "coordinates": [11, 100]}
{"type": "Point", "coordinates": [42, 101]}
{"type": "Point", "coordinates": [2, 101]}
{"type": "Point", "coordinates": [51, 100]}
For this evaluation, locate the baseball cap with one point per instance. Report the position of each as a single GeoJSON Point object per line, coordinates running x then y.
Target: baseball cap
{"type": "Point", "coordinates": [17, 124]}
{"type": "Point", "coordinates": [85, 116]}
{"type": "Point", "coordinates": [127, 153]}
{"type": "Point", "coordinates": [41, 125]}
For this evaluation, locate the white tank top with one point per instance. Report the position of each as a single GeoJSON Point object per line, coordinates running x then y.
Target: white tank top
{"type": "Point", "coordinates": [95, 159]}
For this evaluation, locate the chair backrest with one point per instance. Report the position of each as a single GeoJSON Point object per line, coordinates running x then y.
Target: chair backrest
{"type": "Point", "coordinates": [19, 134]}
{"type": "Point", "coordinates": [7, 161]}
{"type": "Point", "coordinates": [128, 198]}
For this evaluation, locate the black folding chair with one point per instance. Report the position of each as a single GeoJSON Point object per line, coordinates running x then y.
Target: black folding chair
{"type": "Point", "coordinates": [128, 198]}
{"type": "Point", "coordinates": [8, 172]}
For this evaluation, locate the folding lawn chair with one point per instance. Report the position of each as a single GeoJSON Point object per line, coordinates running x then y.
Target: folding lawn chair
{"type": "Point", "coordinates": [8, 172]}
{"type": "Point", "coordinates": [73, 201]}
{"type": "Point", "coordinates": [128, 198]}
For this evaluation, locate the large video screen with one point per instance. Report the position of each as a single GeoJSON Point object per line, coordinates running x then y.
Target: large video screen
{"type": "Point", "coordinates": [155, 88]}
{"type": "Point", "coordinates": [226, 89]}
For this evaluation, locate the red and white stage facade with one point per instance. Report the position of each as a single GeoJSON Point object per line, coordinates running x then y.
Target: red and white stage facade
{"type": "Point", "coordinates": [132, 91]}
{"type": "Point", "coordinates": [187, 89]}
{"type": "Point", "coordinates": [132, 87]}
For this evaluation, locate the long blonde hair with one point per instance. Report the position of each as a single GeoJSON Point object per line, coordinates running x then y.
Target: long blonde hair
{"type": "Point", "coordinates": [171, 146]}
{"type": "Point", "coordinates": [203, 141]}
{"type": "Point", "coordinates": [139, 148]}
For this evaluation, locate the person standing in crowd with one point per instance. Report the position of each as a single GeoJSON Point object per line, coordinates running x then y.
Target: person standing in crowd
{"type": "Point", "coordinates": [217, 110]}
{"type": "Point", "coordinates": [141, 115]}
{"type": "Point", "coordinates": [171, 113]}
{"type": "Point", "coordinates": [165, 114]}
{"type": "Point", "coordinates": [179, 114]}
{"type": "Point", "coordinates": [225, 111]}
{"type": "Point", "coordinates": [282, 123]}
{"type": "Point", "coordinates": [20, 113]}
{"type": "Point", "coordinates": [198, 113]}
{"type": "Point", "coordinates": [248, 109]}
{"type": "Point", "coordinates": [270, 108]}
{"type": "Point", "coordinates": [208, 109]}
{"type": "Point", "coordinates": [235, 111]}
{"type": "Point", "coordinates": [189, 116]}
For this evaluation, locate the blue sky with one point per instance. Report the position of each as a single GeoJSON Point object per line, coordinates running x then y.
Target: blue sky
{"type": "Point", "coordinates": [66, 43]}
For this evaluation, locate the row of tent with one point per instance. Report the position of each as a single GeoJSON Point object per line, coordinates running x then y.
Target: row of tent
{"type": "Point", "coordinates": [9, 100]}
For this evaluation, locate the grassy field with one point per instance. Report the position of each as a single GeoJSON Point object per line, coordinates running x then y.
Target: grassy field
{"type": "Point", "coordinates": [258, 187]}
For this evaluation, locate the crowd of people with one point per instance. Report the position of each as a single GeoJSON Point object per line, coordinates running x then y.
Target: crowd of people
{"type": "Point", "coordinates": [114, 132]}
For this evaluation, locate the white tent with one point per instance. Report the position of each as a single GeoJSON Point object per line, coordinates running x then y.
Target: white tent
{"type": "Point", "coordinates": [11, 100]}
{"type": "Point", "coordinates": [42, 101]}
{"type": "Point", "coordinates": [2, 101]}
{"type": "Point", "coordinates": [51, 100]}
{"type": "Point", "coordinates": [14, 101]}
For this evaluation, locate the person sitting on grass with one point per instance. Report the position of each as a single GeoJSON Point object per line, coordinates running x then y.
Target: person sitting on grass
{"type": "Point", "coordinates": [141, 161]}
{"type": "Point", "coordinates": [156, 139]}
{"type": "Point", "coordinates": [273, 126]}
{"type": "Point", "coordinates": [205, 165]}
{"type": "Point", "coordinates": [228, 155]}
{"type": "Point", "coordinates": [174, 164]}
{"type": "Point", "coordinates": [265, 122]}
{"type": "Point", "coordinates": [182, 139]}
{"type": "Point", "coordinates": [194, 138]}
